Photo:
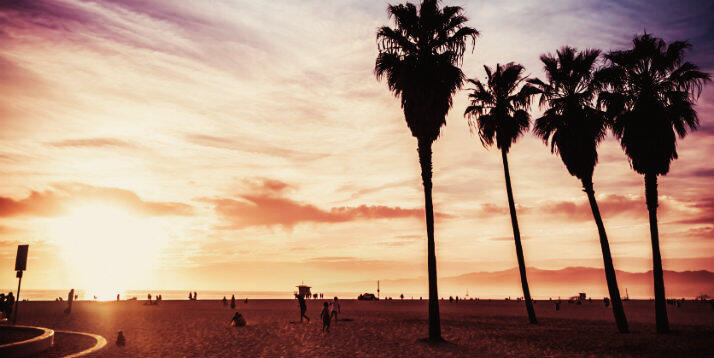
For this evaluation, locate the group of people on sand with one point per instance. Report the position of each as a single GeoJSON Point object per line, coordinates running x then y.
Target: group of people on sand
{"type": "Point", "coordinates": [7, 302]}
{"type": "Point", "coordinates": [192, 296]}
{"type": "Point", "coordinates": [329, 310]}
{"type": "Point", "coordinates": [233, 301]}
{"type": "Point", "coordinates": [156, 300]}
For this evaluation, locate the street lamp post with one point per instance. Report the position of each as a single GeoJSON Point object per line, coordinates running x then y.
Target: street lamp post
{"type": "Point", "coordinates": [20, 266]}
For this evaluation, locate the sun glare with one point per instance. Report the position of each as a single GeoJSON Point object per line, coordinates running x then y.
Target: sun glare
{"type": "Point", "coordinates": [108, 249]}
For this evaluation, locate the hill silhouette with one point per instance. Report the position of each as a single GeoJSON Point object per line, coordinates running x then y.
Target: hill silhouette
{"type": "Point", "coordinates": [564, 282]}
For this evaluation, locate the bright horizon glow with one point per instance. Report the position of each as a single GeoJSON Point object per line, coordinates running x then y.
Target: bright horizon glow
{"type": "Point", "coordinates": [108, 249]}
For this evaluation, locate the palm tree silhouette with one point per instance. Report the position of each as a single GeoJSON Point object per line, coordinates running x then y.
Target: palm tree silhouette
{"type": "Point", "coordinates": [420, 60]}
{"type": "Point", "coordinates": [575, 128]}
{"type": "Point", "coordinates": [650, 96]}
{"type": "Point", "coordinates": [500, 113]}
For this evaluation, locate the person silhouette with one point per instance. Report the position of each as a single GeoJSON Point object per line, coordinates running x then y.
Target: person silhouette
{"type": "Point", "coordinates": [238, 320]}
{"type": "Point", "coordinates": [225, 301]}
{"type": "Point", "coordinates": [70, 299]}
{"type": "Point", "coordinates": [121, 340]}
{"type": "Point", "coordinates": [9, 303]}
{"type": "Point", "coordinates": [335, 309]}
{"type": "Point", "coordinates": [233, 301]}
{"type": "Point", "coordinates": [303, 307]}
{"type": "Point", "coordinates": [325, 315]}
{"type": "Point", "coordinates": [3, 310]}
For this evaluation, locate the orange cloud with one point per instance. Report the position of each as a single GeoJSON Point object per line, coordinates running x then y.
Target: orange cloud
{"type": "Point", "coordinates": [62, 198]}
{"type": "Point", "coordinates": [610, 205]}
{"type": "Point", "coordinates": [268, 207]}
{"type": "Point", "coordinates": [704, 212]}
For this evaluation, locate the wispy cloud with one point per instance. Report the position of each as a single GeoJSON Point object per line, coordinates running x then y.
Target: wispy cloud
{"type": "Point", "coordinates": [249, 145]}
{"type": "Point", "coordinates": [93, 143]}
{"type": "Point", "coordinates": [609, 205]}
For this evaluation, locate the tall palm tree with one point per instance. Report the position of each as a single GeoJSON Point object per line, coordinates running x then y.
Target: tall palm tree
{"type": "Point", "coordinates": [574, 128]}
{"type": "Point", "coordinates": [420, 60]}
{"type": "Point", "coordinates": [651, 94]}
{"type": "Point", "coordinates": [498, 111]}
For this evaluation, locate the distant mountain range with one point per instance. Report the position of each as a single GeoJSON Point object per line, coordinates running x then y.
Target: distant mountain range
{"type": "Point", "coordinates": [544, 284]}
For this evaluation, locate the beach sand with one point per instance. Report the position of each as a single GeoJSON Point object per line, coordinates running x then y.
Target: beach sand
{"type": "Point", "coordinates": [383, 329]}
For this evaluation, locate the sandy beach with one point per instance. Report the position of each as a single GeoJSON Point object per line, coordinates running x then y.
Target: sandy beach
{"type": "Point", "coordinates": [384, 329]}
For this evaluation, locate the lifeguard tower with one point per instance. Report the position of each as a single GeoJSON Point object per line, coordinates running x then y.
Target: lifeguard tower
{"type": "Point", "coordinates": [304, 291]}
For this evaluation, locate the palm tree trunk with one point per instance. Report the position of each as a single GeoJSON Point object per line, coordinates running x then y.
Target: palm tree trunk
{"type": "Point", "coordinates": [617, 309]}
{"type": "Point", "coordinates": [660, 298]}
{"type": "Point", "coordinates": [424, 148]}
{"type": "Point", "coordinates": [517, 238]}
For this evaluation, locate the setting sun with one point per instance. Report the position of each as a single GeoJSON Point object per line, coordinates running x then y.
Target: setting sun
{"type": "Point", "coordinates": [108, 248]}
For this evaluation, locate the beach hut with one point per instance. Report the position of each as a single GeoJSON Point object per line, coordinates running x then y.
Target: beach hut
{"type": "Point", "coordinates": [304, 291]}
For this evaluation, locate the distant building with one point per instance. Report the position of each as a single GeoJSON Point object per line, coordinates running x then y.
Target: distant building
{"type": "Point", "coordinates": [304, 291]}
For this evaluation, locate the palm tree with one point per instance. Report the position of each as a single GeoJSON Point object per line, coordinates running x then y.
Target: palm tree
{"type": "Point", "coordinates": [575, 128]}
{"type": "Point", "coordinates": [651, 99]}
{"type": "Point", "coordinates": [500, 113]}
{"type": "Point", "coordinates": [420, 60]}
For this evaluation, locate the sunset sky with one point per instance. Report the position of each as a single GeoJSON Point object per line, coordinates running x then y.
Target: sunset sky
{"type": "Point", "coordinates": [247, 145]}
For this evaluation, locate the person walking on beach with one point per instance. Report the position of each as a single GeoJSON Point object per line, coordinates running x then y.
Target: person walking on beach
{"type": "Point", "coordinates": [70, 299]}
{"type": "Point", "coordinates": [325, 315]}
{"type": "Point", "coordinates": [195, 296]}
{"type": "Point", "coordinates": [233, 301]}
{"type": "Point", "coordinates": [335, 309]}
{"type": "Point", "coordinates": [303, 307]}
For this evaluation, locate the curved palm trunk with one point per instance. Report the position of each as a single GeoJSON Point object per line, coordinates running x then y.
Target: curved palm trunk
{"type": "Point", "coordinates": [517, 238]}
{"type": "Point", "coordinates": [617, 309]}
{"type": "Point", "coordinates": [660, 298]}
{"type": "Point", "coordinates": [424, 148]}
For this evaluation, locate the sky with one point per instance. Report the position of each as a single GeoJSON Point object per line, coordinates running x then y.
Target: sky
{"type": "Point", "coordinates": [247, 145]}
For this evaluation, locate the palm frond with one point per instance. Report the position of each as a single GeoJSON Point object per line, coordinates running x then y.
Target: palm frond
{"type": "Point", "coordinates": [650, 94]}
